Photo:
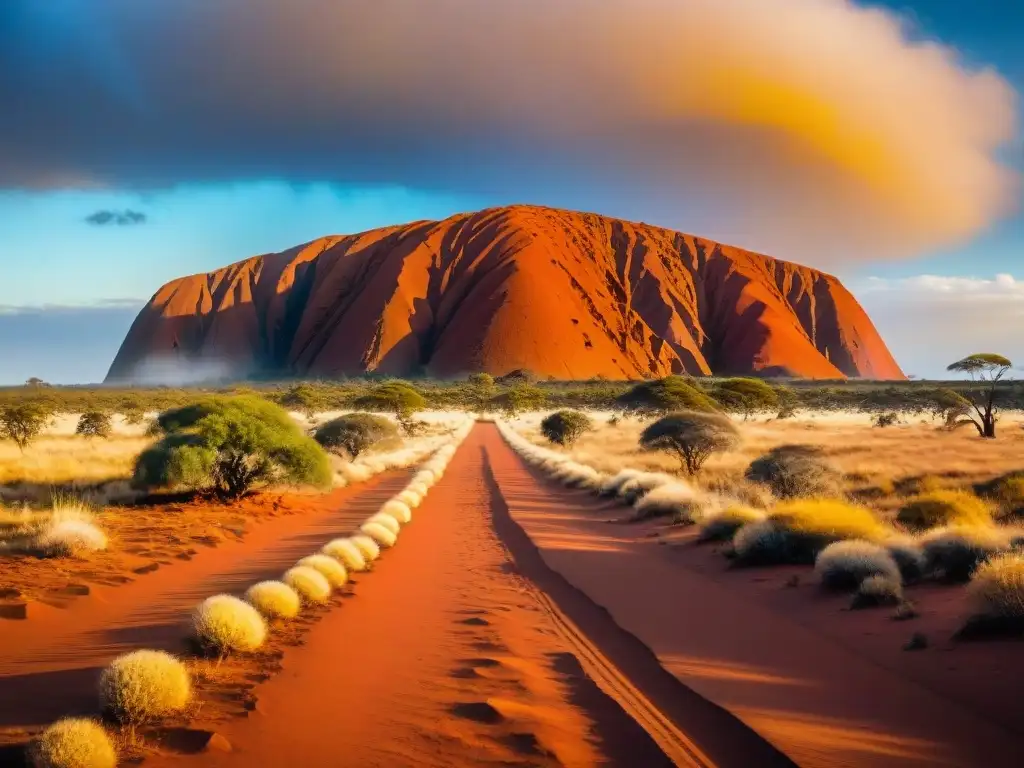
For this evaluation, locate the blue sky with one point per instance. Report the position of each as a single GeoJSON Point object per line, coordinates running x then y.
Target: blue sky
{"type": "Point", "coordinates": [107, 124]}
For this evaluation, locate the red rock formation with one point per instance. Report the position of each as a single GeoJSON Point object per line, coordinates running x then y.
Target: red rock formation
{"type": "Point", "coordinates": [568, 295]}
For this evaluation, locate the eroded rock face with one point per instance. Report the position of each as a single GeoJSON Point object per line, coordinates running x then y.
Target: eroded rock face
{"type": "Point", "coordinates": [563, 294]}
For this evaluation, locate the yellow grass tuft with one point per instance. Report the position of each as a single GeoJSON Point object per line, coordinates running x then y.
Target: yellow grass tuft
{"type": "Point", "coordinates": [71, 538]}
{"type": "Point", "coordinates": [410, 498]}
{"type": "Point", "coordinates": [945, 507]}
{"type": "Point", "coordinates": [274, 599]}
{"type": "Point", "coordinates": [829, 518]}
{"type": "Point", "coordinates": [74, 742]}
{"type": "Point", "coordinates": [328, 567]}
{"type": "Point", "coordinates": [345, 551]}
{"type": "Point", "coordinates": [366, 546]}
{"type": "Point", "coordinates": [228, 625]}
{"type": "Point", "coordinates": [722, 526]}
{"type": "Point", "coordinates": [398, 510]}
{"type": "Point", "coordinates": [379, 533]}
{"type": "Point", "coordinates": [142, 686]}
{"type": "Point", "coordinates": [997, 589]}
{"type": "Point", "coordinates": [311, 585]}
{"type": "Point", "coordinates": [385, 519]}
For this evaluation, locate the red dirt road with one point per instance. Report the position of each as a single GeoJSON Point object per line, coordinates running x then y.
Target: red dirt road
{"type": "Point", "coordinates": [444, 656]}
{"type": "Point", "coordinates": [49, 664]}
{"type": "Point", "coordinates": [821, 701]}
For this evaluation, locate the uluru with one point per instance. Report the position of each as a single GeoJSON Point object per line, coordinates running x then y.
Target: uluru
{"type": "Point", "coordinates": [562, 294]}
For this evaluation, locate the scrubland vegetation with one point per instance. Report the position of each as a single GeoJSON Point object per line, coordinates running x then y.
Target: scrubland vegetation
{"type": "Point", "coordinates": [875, 505]}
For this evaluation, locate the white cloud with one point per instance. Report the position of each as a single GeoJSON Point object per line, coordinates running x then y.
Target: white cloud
{"type": "Point", "coordinates": [929, 321]}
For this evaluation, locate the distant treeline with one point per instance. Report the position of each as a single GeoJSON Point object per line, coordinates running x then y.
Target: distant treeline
{"type": "Point", "coordinates": [340, 394]}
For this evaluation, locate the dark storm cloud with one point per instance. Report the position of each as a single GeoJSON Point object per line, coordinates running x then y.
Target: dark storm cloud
{"type": "Point", "coordinates": [119, 218]}
{"type": "Point", "coordinates": [772, 129]}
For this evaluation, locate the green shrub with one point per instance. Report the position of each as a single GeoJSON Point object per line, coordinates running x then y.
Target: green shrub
{"type": "Point", "coordinates": [518, 399]}
{"type": "Point", "coordinates": [692, 436]}
{"type": "Point", "coordinates": [355, 433]}
{"type": "Point", "coordinates": [94, 424]}
{"type": "Point", "coordinates": [397, 397]}
{"type": "Point", "coordinates": [746, 396]}
{"type": "Point", "coordinates": [673, 393]}
{"type": "Point", "coordinates": [793, 471]}
{"type": "Point", "coordinates": [945, 507]}
{"type": "Point", "coordinates": [230, 445]}
{"type": "Point", "coordinates": [304, 398]}
{"type": "Point", "coordinates": [565, 427]}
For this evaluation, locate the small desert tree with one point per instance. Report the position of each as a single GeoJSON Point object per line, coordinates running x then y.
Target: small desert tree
{"type": "Point", "coordinates": [230, 445]}
{"type": "Point", "coordinates": [520, 398]}
{"type": "Point", "coordinates": [94, 424]}
{"type": "Point", "coordinates": [746, 396]}
{"type": "Point", "coordinates": [673, 393]}
{"type": "Point", "coordinates": [692, 436]}
{"type": "Point", "coordinates": [566, 427]}
{"type": "Point", "coordinates": [987, 369]}
{"type": "Point", "coordinates": [304, 398]}
{"type": "Point", "coordinates": [354, 433]}
{"type": "Point", "coordinates": [395, 397]}
{"type": "Point", "coordinates": [481, 390]}
{"type": "Point", "coordinates": [24, 422]}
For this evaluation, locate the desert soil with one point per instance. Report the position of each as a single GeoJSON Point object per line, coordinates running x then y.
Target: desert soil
{"type": "Point", "coordinates": [49, 663]}
{"type": "Point", "coordinates": [514, 624]}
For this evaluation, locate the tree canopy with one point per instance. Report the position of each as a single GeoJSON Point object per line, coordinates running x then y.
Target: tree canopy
{"type": "Point", "coordinates": [673, 393]}
{"type": "Point", "coordinates": [693, 436]}
{"type": "Point", "coordinates": [746, 396]}
{"type": "Point", "coordinates": [566, 427]}
{"type": "Point", "coordinates": [397, 397]}
{"type": "Point", "coordinates": [230, 445]}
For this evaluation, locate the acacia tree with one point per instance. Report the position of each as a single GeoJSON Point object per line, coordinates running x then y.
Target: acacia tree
{"type": "Point", "coordinates": [692, 436]}
{"type": "Point", "coordinates": [979, 409]}
{"type": "Point", "coordinates": [94, 424]}
{"type": "Point", "coordinates": [24, 423]}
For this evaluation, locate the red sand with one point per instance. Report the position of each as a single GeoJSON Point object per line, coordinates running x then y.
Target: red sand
{"type": "Point", "coordinates": [566, 294]}
{"type": "Point", "coordinates": [787, 662]}
{"type": "Point", "coordinates": [444, 656]}
{"type": "Point", "coordinates": [512, 625]}
{"type": "Point", "coordinates": [50, 662]}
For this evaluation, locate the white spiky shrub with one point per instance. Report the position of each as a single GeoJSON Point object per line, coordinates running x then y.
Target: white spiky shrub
{"type": "Point", "coordinates": [74, 742]}
{"type": "Point", "coordinates": [328, 567]}
{"type": "Point", "coordinates": [410, 498]}
{"type": "Point", "coordinates": [347, 553]}
{"type": "Point", "coordinates": [143, 686]}
{"type": "Point", "coordinates": [225, 624]}
{"type": "Point", "coordinates": [71, 538]}
{"type": "Point", "coordinates": [274, 599]}
{"type": "Point", "coordinates": [311, 585]}
{"type": "Point", "coordinates": [845, 564]}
